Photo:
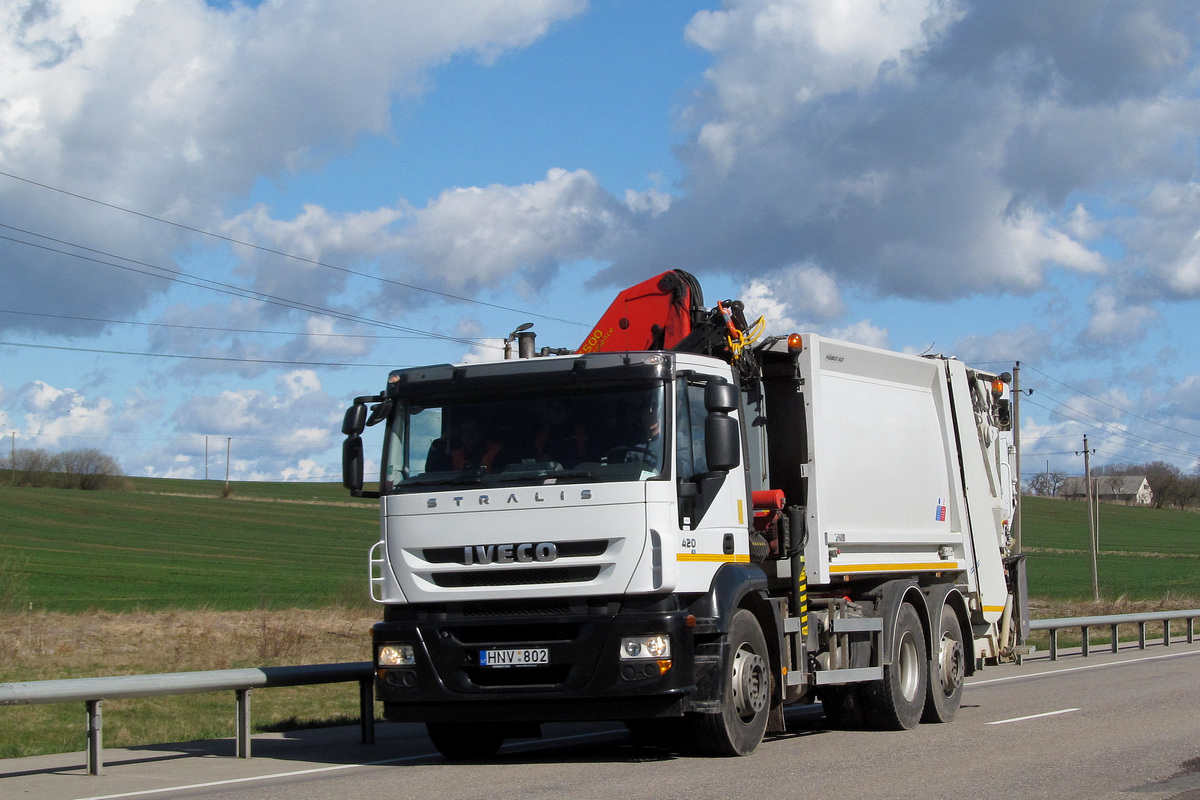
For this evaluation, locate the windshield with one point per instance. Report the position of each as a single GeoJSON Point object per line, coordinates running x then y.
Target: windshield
{"type": "Point", "coordinates": [563, 435]}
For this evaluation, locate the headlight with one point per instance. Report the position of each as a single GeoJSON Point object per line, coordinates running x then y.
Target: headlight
{"type": "Point", "coordinates": [397, 655]}
{"type": "Point", "coordinates": [655, 645]}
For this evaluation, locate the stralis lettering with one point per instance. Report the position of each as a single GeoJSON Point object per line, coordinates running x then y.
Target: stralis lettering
{"type": "Point", "coordinates": [509, 553]}
{"type": "Point", "coordinates": [540, 496]}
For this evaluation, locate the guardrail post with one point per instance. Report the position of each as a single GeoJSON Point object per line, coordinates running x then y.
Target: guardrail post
{"type": "Point", "coordinates": [1086, 633]}
{"type": "Point", "coordinates": [95, 737]}
{"type": "Point", "coordinates": [366, 709]}
{"type": "Point", "coordinates": [1114, 638]}
{"type": "Point", "coordinates": [1190, 620]}
{"type": "Point", "coordinates": [243, 723]}
{"type": "Point", "coordinates": [1141, 636]}
{"type": "Point", "coordinates": [1054, 644]}
{"type": "Point", "coordinates": [1166, 633]}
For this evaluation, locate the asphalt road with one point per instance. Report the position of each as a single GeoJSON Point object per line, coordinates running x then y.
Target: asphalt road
{"type": "Point", "coordinates": [1111, 726]}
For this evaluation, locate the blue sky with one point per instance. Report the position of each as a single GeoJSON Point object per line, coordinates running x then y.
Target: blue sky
{"type": "Point", "coordinates": [232, 235]}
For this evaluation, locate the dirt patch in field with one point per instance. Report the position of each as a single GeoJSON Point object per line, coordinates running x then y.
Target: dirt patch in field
{"type": "Point", "coordinates": [43, 645]}
{"type": "Point", "coordinates": [1053, 609]}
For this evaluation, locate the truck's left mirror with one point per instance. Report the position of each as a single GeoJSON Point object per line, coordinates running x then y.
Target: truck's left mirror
{"type": "Point", "coordinates": [355, 420]}
{"type": "Point", "coordinates": [352, 464]}
{"type": "Point", "coordinates": [380, 412]}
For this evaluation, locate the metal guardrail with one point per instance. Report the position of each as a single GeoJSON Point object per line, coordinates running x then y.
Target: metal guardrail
{"type": "Point", "coordinates": [94, 691]}
{"type": "Point", "coordinates": [1113, 621]}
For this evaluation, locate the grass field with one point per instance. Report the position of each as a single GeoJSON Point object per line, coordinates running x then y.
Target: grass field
{"type": "Point", "coordinates": [76, 551]}
{"type": "Point", "coordinates": [1145, 553]}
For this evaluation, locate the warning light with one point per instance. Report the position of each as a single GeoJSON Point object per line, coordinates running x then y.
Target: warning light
{"type": "Point", "coordinates": [795, 343]}
{"type": "Point", "coordinates": [997, 387]}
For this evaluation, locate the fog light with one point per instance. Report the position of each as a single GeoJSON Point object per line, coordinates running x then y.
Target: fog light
{"type": "Point", "coordinates": [397, 655]}
{"type": "Point", "coordinates": [652, 646]}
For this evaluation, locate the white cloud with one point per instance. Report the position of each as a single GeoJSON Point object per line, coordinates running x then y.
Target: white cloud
{"type": "Point", "coordinates": [1115, 320]}
{"type": "Point", "coordinates": [862, 332]}
{"type": "Point", "coordinates": [936, 150]}
{"type": "Point", "coordinates": [213, 100]}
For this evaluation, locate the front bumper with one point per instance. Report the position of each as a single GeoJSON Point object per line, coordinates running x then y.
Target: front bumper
{"type": "Point", "coordinates": [584, 679]}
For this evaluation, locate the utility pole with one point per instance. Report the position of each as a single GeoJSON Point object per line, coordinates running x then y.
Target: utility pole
{"type": "Point", "coordinates": [12, 465]}
{"type": "Point", "coordinates": [1016, 424]}
{"type": "Point", "coordinates": [229, 439]}
{"type": "Point", "coordinates": [206, 458]}
{"type": "Point", "coordinates": [1087, 479]}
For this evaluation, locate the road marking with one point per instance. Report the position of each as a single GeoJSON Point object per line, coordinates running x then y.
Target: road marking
{"type": "Point", "coordinates": [313, 771]}
{"type": "Point", "coordinates": [1033, 716]}
{"type": "Point", "coordinates": [1081, 669]}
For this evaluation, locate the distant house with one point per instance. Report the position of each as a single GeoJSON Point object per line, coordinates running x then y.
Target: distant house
{"type": "Point", "coordinates": [1127, 489]}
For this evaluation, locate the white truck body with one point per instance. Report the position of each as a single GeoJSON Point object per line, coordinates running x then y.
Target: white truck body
{"type": "Point", "coordinates": [839, 519]}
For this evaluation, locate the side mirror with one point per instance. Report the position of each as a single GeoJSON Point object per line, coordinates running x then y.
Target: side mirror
{"type": "Point", "coordinates": [355, 420]}
{"type": "Point", "coordinates": [380, 412]}
{"type": "Point", "coordinates": [720, 396]}
{"type": "Point", "coordinates": [352, 462]}
{"type": "Point", "coordinates": [722, 442]}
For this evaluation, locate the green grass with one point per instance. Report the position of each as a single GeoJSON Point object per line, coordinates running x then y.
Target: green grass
{"type": "Point", "coordinates": [78, 551]}
{"type": "Point", "coordinates": [1145, 553]}
{"type": "Point", "coordinates": [179, 544]}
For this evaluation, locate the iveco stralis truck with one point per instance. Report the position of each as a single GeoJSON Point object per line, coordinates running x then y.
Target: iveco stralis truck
{"type": "Point", "coordinates": [687, 528]}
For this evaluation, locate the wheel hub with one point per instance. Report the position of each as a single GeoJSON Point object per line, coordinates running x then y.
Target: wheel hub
{"type": "Point", "coordinates": [952, 664]}
{"type": "Point", "coordinates": [750, 683]}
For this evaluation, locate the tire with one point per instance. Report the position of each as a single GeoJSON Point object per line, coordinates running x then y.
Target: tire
{"type": "Point", "coordinates": [897, 702]}
{"type": "Point", "coordinates": [465, 742]}
{"type": "Point", "coordinates": [745, 693]}
{"type": "Point", "coordinates": [947, 670]}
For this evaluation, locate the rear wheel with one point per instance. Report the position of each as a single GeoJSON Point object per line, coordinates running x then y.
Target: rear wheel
{"type": "Point", "coordinates": [465, 742]}
{"type": "Point", "coordinates": [745, 693]}
{"type": "Point", "coordinates": [897, 701]}
{"type": "Point", "coordinates": [947, 670]}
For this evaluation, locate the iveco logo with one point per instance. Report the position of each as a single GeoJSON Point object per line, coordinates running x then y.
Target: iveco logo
{"type": "Point", "coordinates": [509, 553]}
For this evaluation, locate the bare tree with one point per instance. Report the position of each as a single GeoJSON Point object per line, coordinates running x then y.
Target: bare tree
{"type": "Point", "coordinates": [87, 469]}
{"type": "Point", "coordinates": [70, 469]}
{"type": "Point", "coordinates": [1164, 481]}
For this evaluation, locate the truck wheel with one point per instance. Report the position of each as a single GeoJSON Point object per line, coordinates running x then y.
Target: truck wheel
{"type": "Point", "coordinates": [947, 669]}
{"type": "Point", "coordinates": [897, 702]}
{"type": "Point", "coordinates": [465, 742]}
{"type": "Point", "coordinates": [745, 693]}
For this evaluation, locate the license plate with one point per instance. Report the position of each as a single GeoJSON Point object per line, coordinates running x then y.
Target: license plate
{"type": "Point", "coordinates": [515, 657]}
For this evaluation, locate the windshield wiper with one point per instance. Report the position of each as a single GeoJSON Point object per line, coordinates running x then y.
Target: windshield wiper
{"type": "Point", "coordinates": [572, 475]}
{"type": "Point", "coordinates": [461, 479]}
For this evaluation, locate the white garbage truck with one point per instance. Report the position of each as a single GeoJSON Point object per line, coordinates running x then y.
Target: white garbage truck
{"type": "Point", "coordinates": [687, 526]}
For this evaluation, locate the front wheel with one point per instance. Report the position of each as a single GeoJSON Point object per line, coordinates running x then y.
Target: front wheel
{"type": "Point", "coordinates": [465, 742]}
{"type": "Point", "coordinates": [745, 693]}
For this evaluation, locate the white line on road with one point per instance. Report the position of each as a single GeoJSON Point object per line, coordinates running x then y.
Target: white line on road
{"type": "Point", "coordinates": [1080, 669]}
{"type": "Point", "coordinates": [313, 771]}
{"type": "Point", "coordinates": [1033, 716]}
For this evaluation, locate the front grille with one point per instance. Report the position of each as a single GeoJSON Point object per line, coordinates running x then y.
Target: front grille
{"type": "Point", "coordinates": [515, 577]}
{"type": "Point", "coordinates": [456, 555]}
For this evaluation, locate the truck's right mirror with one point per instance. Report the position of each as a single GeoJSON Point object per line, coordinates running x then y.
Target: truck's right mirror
{"type": "Point", "coordinates": [722, 445]}
{"type": "Point", "coordinates": [720, 396]}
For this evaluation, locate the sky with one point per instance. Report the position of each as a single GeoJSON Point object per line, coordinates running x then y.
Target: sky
{"type": "Point", "coordinates": [220, 222]}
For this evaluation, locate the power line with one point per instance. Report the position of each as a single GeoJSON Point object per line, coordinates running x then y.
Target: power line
{"type": "Point", "coordinates": [178, 276]}
{"type": "Point", "coordinates": [284, 254]}
{"type": "Point", "coordinates": [205, 327]}
{"type": "Point", "coordinates": [1133, 441]}
{"type": "Point", "coordinates": [198, 358]}
{"type": "Point", "coordinates": [1110, 405]}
